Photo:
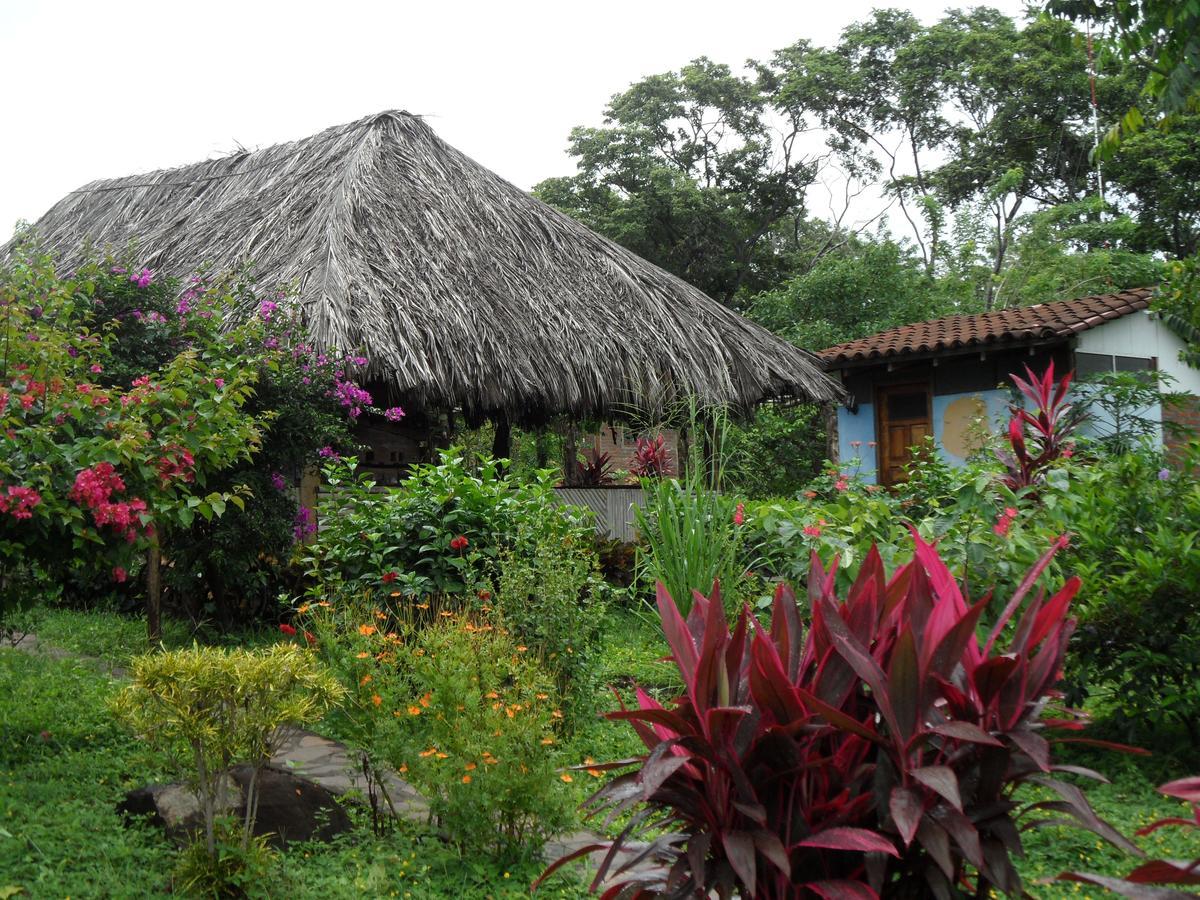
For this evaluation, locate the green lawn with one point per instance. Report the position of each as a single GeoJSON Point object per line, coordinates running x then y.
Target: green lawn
{"type": "Point", "coordinates": [64, 764]}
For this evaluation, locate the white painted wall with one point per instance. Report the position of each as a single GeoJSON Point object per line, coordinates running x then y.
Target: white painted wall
{"type": "Point", "coordinates": [1141, 334]}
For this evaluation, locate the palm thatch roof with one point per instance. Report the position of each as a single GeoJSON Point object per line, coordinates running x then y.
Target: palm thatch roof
{"type": "Point", "coordinates": [462, 290]}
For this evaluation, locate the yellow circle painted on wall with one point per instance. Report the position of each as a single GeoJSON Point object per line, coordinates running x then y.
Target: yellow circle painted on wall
{"type": "Point", "coordinates": [961, 431]}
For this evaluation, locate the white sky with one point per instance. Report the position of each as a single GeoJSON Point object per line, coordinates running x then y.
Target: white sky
{"type": "Point", "coordinates": [111, 87]}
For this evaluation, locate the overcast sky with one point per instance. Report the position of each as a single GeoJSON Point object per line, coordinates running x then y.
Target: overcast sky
{"type": "Point", "coordinates": [111, 87]}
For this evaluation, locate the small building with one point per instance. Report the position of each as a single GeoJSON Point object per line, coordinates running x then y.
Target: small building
{"type": "Point", "coordinates": [471, 299]}
{"type": "Point", "coordinates": [948, 378]}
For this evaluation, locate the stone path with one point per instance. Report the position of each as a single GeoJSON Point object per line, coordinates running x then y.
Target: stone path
{"type": "Point", "coordinates": [326, 762]}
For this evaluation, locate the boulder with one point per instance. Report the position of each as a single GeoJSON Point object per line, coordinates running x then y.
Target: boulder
{"type": "Point", "coordinates": [290, 808]}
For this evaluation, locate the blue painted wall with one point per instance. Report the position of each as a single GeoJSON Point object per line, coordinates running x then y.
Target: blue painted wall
{"type": "Point", "coordinates": [859, 428]}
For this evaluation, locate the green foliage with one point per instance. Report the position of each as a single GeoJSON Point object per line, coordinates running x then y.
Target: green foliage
{"type": "Point", "coordinates": [1165, 34]}
{"type": "Point", "coordinates": [775, 453]}
{"type": "Point", "coordinates": [1136, 524]}
{"type": "Point", "coordinates": [692, 537]}
{"type": "Point", "coordinates": [482, 747]}
{"type": "Point", "coordinates": [549, 594]}
{"type": "Point", "coordinates": [238, 868]}
{"type": "Point", "coordinates": [416, 530]}
{"type": "Point", "coordinates": [865, 288]}
{"type": "Point", "coordinates": [213, 709]}
{"type": "Point", "coordinates": [459, 707]}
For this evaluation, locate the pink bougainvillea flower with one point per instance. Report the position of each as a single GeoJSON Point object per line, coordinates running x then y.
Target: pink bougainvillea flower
{"type": "Point", "coordinates": [266, 309]}
{"type": "Point", "coordinates": [394, 414]}
{"type": "Point", "coordinates": [219, 382]}
{"type": "Point", "coordinates": [277, 481]}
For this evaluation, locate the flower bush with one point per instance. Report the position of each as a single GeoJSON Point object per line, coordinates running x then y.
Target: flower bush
{"type": "Point", "coordinates": [459, 707]}
{"type": "Point", "coordinates": [875, 756]}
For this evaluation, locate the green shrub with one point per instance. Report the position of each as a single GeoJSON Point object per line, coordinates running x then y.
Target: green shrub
{"type": "Point", "coordinates": [693, 537]}
{"type": "Point", "coordinates": [441, 531]}
{"type": "Point", "coordinates": [459, 707]}
{"type": "Point", "coordinates": [213, 708]}
{"type": "Point", "coordinates": [479, 737]}
{"type": "Point", "coordinates": [550, 596]}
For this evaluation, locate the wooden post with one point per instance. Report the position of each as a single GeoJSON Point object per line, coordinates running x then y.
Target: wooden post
{"type": "Point", "coordinates": [154, 592]}
{"type": "Point", "coordinates": [570, 456]}
{"type": "Point", "coordinates": [502, 445]}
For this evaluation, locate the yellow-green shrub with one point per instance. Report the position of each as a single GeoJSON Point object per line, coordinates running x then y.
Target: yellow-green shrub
{"type": "Point", "coordinates": [212, 708]}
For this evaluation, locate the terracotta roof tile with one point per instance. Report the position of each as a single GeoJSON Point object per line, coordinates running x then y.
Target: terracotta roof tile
{"type": "Point", "coordinates": [1001, 328]}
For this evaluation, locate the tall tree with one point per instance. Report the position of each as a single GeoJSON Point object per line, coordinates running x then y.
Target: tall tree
{"type": "Point", "coordinates": [688, 171]}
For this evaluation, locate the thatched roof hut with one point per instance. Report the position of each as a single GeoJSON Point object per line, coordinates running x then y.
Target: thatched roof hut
{"type": "Point", "coordinates": [462, 290]}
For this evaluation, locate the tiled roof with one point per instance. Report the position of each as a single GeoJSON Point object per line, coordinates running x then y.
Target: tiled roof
{"type": "Point", "coordinates": [1003, 328]}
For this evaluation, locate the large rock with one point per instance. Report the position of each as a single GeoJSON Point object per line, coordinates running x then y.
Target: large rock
{"type": "Point", "coordinates": [290, 808]}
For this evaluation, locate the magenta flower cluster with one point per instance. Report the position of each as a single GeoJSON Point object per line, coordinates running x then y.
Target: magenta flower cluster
{"type": "Point", "coordinates": [394, 414]}
{"type": "Point", "coordinates": [141, 279]}
{"type": "Point", "coordinates": [303, 524]}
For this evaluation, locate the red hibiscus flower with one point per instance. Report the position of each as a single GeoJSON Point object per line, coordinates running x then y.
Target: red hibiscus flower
{"type": "Point", "coordinates": [458, 543]}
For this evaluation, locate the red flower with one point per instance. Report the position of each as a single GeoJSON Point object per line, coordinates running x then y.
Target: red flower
{"type": "Point", "coordinates": [812, 530]}
{"type": "Point", "coordinates": [389, 577]}
{"type": "Point", "coordinates": [119, 574]}
{"type": "Point", "coordinates": [311, 638]}
{"type": "Point", "coordinates": [739, 515]}
{"type": "Point", "coordinates": [842, 484]}
{"type": "Point", "coordinates": [458, 543]}
{"type": "Point", "coordinates": [287, 629]}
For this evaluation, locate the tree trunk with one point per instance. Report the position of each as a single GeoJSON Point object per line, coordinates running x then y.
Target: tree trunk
{"type": "Point", "coordinates": [154, 592]}
{"type": "Point", "coordinates": [570, 456]}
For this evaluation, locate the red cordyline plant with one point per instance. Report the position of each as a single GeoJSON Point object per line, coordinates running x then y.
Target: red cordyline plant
{"type": "Point", "coordinates": [1138, 883]}
{"type": "Point", "coordinates": [652, 458]}
{"type": "Point", "coordinates": [875, 756]}
{"type": "Point", "coordinates": [1038, 439]}
{"type": "Point", "coordinates": [595, 469]}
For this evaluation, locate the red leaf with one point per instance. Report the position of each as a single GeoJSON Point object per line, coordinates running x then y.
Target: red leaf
{"type": "Point", "coordinates": [965, 731]}
{"type": "Point", "coordinates": [1183, 788]}
{"type": "Point", "coordinates": [906, 808]}
{"type": "Point", "coordinates": [855, 839]}
{"type": "Point", "coordinates": [678, 636]}
{"type": "Point", "coordinates": [739, 850]}
{"type": "Point", "coordinates": [941, 780]}
{"type": "Point", "coordinates": [841, 890]}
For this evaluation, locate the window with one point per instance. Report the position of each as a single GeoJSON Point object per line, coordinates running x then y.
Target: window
{"type": "Point", "coordinates": [1089, 364]}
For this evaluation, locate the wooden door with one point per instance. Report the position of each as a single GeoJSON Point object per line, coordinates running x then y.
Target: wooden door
{"type": "Point", "coordinates": [903, 422]}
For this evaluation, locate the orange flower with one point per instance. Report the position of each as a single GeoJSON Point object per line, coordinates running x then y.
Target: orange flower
{"type": "Point", "coordinates": [445, 614]}
{"type": "Point", "coordinates": [492, 695]}
{"type": "Point", "coordinates": [363, 681]}
{"type": "Point", "coordinates": [466, 779]}
{"type": "Point", "coordinates": [542, 696]}
{"type": "Point", "coordinates": [394, 594]}
{"type": "Point", "coordinates": [422, 606]}
{"type": "Point", "coordinates": [470, 767]}
{"type": "Point", "coordinates": [366, 630]}
{"type": "Point", "coordinates": [324, 603]}
{"type": "Point", "coordinates": [522, 648]}
{"type": "Point", "coordinates": [303, 608]}
{"type": "Point", "coordinates": [362, 655]}
{"type": "Point", "coordinates": [380, 614]}
{"type": "Point", "coordinates": [425, 754]}
{"type": "Point", "coordinates": [424, 701]}
{"type": "Point", "coordinates": [595, 773]}
{"type": "Point", "coordinates": [441, 755]}
{"type": "Point", "coordinates": [376, 699]}
{"type": "Point", "coordinates": [557, 714]}
{"type": "Point", "coordinates": [414, 710]}
{"type": "Point", "coordinates": [403, 768]}
{"type": "Point", "coordinates": [546, 742]}
{"type": "Point", "coordinates": [565, 777]}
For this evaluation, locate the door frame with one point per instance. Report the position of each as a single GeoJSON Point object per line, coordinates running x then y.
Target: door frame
{"type": "Point", "coordinates": [881, 391]}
